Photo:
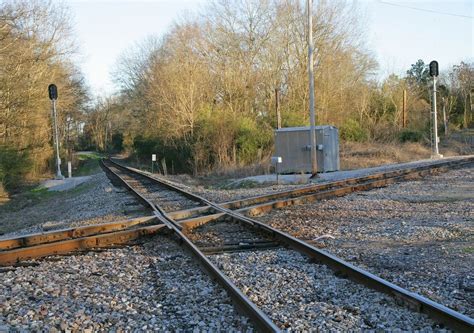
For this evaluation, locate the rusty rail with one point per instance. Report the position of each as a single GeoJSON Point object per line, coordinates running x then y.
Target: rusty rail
{"type": "Point", "coordinates": [243, 303]}
{"type": "Point", "coordinates": [83, 238]}
{"type": "Point", "coordinates": [437, 312]}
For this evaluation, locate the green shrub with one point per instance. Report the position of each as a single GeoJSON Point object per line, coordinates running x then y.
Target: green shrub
{"type": "Point", "coordinates": [351, 130]}
{"type": "Point", "coordinates": [178, 155]}
{"type": "Point", "coordinates": [117, 142]}
{"type": "Point", "coordinates": [14, 165]}
{"type": "Point", "coordinates": [410, 136]}
{"type": "Point", "coordinates": [250, 139]}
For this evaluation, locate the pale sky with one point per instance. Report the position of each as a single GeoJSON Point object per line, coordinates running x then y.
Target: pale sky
{"type": "Point", "coordinates": [397, 35]}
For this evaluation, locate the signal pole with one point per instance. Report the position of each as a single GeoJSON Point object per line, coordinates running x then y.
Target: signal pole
{"type": "Point", "coordinates": [53, 96]}
{"type": "Point", "coordinates": [434, 138]}
{"type": "Point", "coordinates": [312, 121]}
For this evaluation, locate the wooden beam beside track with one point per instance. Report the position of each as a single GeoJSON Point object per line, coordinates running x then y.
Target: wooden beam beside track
{"type": "Point", "coordinates": [187, 213]}
{"type": "Point", "coordinates": [11, 257]}
{"type": "Point", "coordinates": [64, 234]}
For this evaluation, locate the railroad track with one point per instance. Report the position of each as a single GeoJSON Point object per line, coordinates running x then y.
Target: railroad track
{"type": "Point", "coordinates": [229, 230]}
{"type": "Point", "coordinates": [75, 239]}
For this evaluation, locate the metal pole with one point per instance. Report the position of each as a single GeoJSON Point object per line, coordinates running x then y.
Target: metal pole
{"type": "Point", "coordinates": [435, 151]}
{"type": "Point", "coordinates": [312, 133]}
{"type": "Point", "coordinates": [56, 144]}
{"type": "Point", "coordinates": [276, 170]}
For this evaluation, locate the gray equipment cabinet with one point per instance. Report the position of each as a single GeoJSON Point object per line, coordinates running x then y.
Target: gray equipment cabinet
{"type": "Point", "coordinates": [292, 144]}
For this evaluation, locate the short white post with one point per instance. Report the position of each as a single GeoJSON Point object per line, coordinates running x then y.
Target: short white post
{"type": "Point", "coordinates": [69, 169]}
{"type": "Point", "coordinates": [153, 160]}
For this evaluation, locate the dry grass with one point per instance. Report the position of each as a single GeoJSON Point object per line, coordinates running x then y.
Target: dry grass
{"type": "Point", "coordinates": [3, 195]}
{"type": "Point", "coordinates": [355, 155]}
{"type": "Point", "coordinates": [231, 172]}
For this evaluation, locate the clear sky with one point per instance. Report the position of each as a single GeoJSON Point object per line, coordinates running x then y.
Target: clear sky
{"type": "Point", "coordinates": [397, 35]}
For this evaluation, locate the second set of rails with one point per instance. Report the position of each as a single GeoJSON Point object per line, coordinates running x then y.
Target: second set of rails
{"type": "Point", "coordinates": [225, 227]}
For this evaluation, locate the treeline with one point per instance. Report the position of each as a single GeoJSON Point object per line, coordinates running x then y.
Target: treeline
{"type": "Point", "coordinates": [205, 92]}
{"type": "Point", "coordinates": [204, 95]}
{"type": "Point", "coordinates": [35, 44]}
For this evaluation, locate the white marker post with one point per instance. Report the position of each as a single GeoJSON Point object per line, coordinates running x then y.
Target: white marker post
{"type": "Point", "coordinates": [69, 169]}
{"type": "Point", "coordinates": [153, 160]}
{"type": "Point", "coordinates": [276, 160]}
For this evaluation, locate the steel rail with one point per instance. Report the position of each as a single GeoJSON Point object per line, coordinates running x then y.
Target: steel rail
{"type": "Point", "coordinates": [258, 317]}
{"type": "Point", "coordinates": [437, 312]}
{"type": "Point", "coordinates": [349, 181]}
{"type": "Point", "coordinates": [269, 200]}
{"type": "Point", "coordinates": [265, 203]}
{"type": "Point", "coordinates": [71, 233]}
{"type": "Point", "coordinates": [63, 242]}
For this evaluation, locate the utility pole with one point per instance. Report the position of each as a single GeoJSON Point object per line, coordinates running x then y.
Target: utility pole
{"type": "Point", "coordinates": [404, 109]}
{"type": "Point", "coordinates": [277, 109]}
{"type": "Point", "coordinates": [53, 96]}
{"type": "Point", "coordinates": [434, 138]}
{"type": "Point", "coordinates": [312, 132]}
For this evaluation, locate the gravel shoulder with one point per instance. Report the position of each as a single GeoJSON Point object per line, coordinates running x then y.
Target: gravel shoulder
{"type": "Point", "coordinates": [220, 195]}
{"type": "Point", "coordinates": [156, 286]}
{"type": "Point", "coordinates": [94, 202]}
{"type": "Point", "coordinates": [418, 234]}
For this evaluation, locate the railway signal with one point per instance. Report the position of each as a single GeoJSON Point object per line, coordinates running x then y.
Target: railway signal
{"type": "Point", "coordinates": [53, 92]}
{"type": "Point", "coordinates": [434, 72]}
{"type": "Point", "coordinates": [53, 96]}
{"type": "Point", "coordinates": [434, 68]}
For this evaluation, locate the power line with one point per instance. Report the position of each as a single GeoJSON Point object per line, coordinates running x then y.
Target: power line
{"type": "Point", "coordinates": [424, 10]}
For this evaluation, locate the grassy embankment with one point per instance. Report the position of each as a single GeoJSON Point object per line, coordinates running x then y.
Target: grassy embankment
{"type": "Point", "coordinates": [33, 194]}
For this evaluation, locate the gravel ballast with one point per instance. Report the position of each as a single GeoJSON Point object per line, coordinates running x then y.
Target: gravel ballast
{"type": "Point", "coordinates": [223, 195]}
{"type": "Point", "coordinates": [299, 295]}
{"type": "Point", "coordinates": [153, 287]}
{"type": "Point", "coordinates": [94, 202]}
{"type": "Point", "coordinates": [418, 234]}
{"type": "Point", "coordinates": [166, 199]}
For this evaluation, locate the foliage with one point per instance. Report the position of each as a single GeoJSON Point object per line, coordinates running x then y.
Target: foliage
{"type": "Point", "coordinates": [176, 155]}
{"type": "Point", "coordinates": [88, 164]}
{"type": "Point", "coordinates": [14, 165]}
{"type": "Point", "coordinates": [34, 52]}
{"type": "Point", "coordinates": [419, 73]}
{"type": "Point", "coordinates": [410, 135]}
{"type": "Point", "coordinates": [117, 142]}
{"type": "Point", "coordinates": [204, 94]}
{"type": "Point", "coordinates": [252, 139]}
{"type": "Point", "coordinates": [206, 90]}
{"type": "Point", "coordinates": [351, 130]}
